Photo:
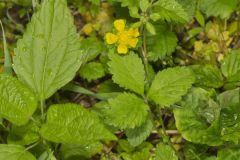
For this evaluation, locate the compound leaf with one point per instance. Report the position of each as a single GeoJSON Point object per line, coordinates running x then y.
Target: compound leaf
{"type": "Point", "coordinates": [48, 55]}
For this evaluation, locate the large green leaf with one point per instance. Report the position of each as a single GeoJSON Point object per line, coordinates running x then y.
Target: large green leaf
{"type": "Point", "coordinates": [139, 134]}
{"type": "Point", "coordinates": [126, 111]}
{"type": "Point", "coordinates": [221, 8]}
{"type": "Point", "coordinates": [14, 152]}
{"type": "Point", "coordinates": [24, 135]}
{"type": "Point", "coordinates": [231, 66]}
{"type": "Point", "coordinates": [72, 124]}
{"type": "Point", "coordinates": [162, 44]}
{"type": "Point", "coordinates": [128, 72]}
{"type": "Point", "coordinates": [207, 76]}
{"type": "Point", "coordinates": [189, 7]}
{"type": "Point", "coordinates": [230, 115]}
{"type": "Point", "coordinates": [48, 55]}
{"type": "Point", "coordinates": [165, 152]}
{"type": "Point", "coordinates": [170, 85]}
{"type": "Point", "coordinates": [17, 102]}
{"type": "Point", "coordinates": [197, 118]}
{"type": "Point", "coordinates": [229, 154]}
{"type": "Point", "coordinates": [171, 10]}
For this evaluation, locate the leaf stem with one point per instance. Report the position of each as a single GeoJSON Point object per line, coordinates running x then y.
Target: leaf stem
{"type": "Point", "coordinates": [7, 56]}
{"type": "Point", "coordinates": [144, 50]}
{"type": "Point", "coordinates": [42, 106]}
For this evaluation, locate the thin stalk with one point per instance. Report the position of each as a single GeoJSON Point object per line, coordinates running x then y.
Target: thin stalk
{"type": "Point", "coordinates": [7, 56]}
{"type": "Point", "coordinates": [32, 146]}
{"type": "Point", "coordinates": [165, 134]}
{"type": "Point", "coordinates": [144, 50]}
{"type": "Point", "coordinates": [42, 106]}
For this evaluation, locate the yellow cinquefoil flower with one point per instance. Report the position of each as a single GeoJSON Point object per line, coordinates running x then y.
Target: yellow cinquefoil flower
{"type": "Point", "coordinates": [124, 38]}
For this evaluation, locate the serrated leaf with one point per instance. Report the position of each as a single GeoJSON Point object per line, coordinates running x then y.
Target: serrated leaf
{"type": "Point", "coordinates": [14, 152]}
{"type": "Point", "coordinates": [189, 7]}
{"type": "Point", "coordinates": [229, 154]}
{"type": "Point", "coordinates": [165, 152]}
{"type": "Point", "coordinates": [17, 102]}
{"type": "Point", "coordinates": [128, 72]}
{"type": "Point", "coordinates": [208, 76]}
{"type": "Point", "coordinates": [162, 44]}
{"type": "Point", "coordinates": [72, 124]}
{"type": "Point", "coordinates": [92, 71]}
{"type": "Point", "coordinates": [221, 8]}
{"type": "Point", "coordinates": [80, 151]}
{"type": "Point", "coordinates": [231, 66]}
{"type": "Point", "coordinates": [24, 135]}
{"type": "Point", "coordinates": [197, 119]}
{"type": "Point", "coordinates": [126, 111]}
{"type": "Point", "coordinates": [139, 134]}
{"type": "Point", "coordinates": [171, 11]}
{"type": "Point", "coordinates": [170, 85]}
{"type": "Point", "coordinates": [48, 55]}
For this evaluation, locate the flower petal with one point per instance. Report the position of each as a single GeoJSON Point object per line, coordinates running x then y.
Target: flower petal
{"type": "Point", "coordinates": [133, 32]}
{"type": "Point", "coordinates": [122, 49]}
{"type": "Point", "coordinates": [111, 38]}
{"type": "Point", "coordinates": [119, 24]}
{"type": "Point", "coordinates": [133, 42]}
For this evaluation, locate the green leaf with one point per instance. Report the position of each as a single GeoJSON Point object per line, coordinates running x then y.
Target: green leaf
{"type": "Point", "coordinates": [80, 151]}
{"type": "Point", "coordinates": [17, 103]}
{"type": "Point", "coordinates": [92, 71]}
{"type": "Point", "coordinates": [171, 11]}
{"type": "Point", "coordinates": [24, 135]}
{"type": "Point", "coordinates": [230, 115]}
{"type": "Point", "coordinates": [14, 152]}
{"type": "Point", "coordinates": [48, 55]}
{"type": "Point", "coordinates": [231, 66]}
{"type": "Point", "coordinates": [197, 119]}
{"type": "Point", "coordinates": [91, 51]}
{"type": "Point", "coordinates": [150, 28]}
{"type": "Point", "coordinates": [229, 154]}
{"type": "Point", "coordinates": [162, 44]}
{"type": "Point", "coordinates": [72, 124]}
{"type": "Point", "coordinates": [221, 8]}
{"type": "Point", "coordinates": [200, 18]}
{"type": "Point", "coordinates": [139, 134]}
{"type": "Point", "coordinates": [196, 152]}
{"type": "Point", "coordinates": [165, 152]}
{"type": "Point", "coordinates": [170, 85]}
{"type": "Point", "coordinates": [128, 72]}
{"type": "Point", "coordinates": [208, 76]}
{"type": "Point", "coordinates": [189, 7]}
{"type": "Point", "coordinates": [126, 111]}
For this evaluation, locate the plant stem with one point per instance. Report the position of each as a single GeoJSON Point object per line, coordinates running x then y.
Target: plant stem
{"type": "Point", "coordinates": [32, 146]}
{"type": "Point", "coordinates": [144, 50]}
{"type": "Point", "coordinates": [42, 106]}
{"type": "Point", "coordinates": [165, 134]}
{"type": "Point", "coordinates": [7, 56]}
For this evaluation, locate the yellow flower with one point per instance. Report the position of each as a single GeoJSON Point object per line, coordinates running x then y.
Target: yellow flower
{"type": "Point", "coordinates": [124, 38]}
